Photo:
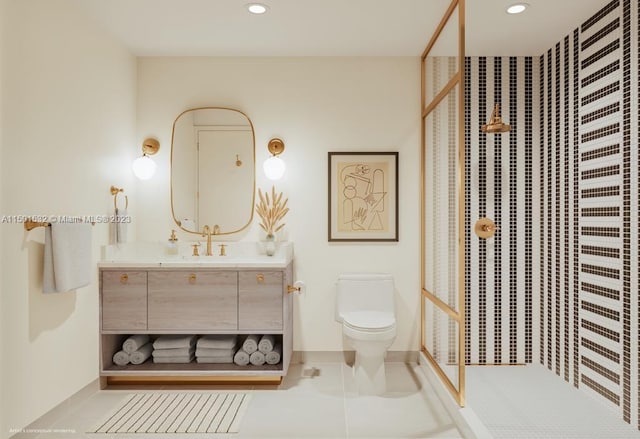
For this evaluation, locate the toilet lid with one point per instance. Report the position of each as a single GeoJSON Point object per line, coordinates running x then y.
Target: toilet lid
{"type": "Point", "coordinates": [369, 319]}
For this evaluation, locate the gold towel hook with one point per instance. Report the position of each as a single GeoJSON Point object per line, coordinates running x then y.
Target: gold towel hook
{"type": "Point", "coordinates": [114, 191]}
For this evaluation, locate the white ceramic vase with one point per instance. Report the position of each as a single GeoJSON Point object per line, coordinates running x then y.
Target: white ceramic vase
{"type": "Point", "coordinates": [270, 244]}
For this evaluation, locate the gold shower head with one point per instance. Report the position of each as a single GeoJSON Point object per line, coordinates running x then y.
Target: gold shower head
{"type": "Point", "coordinates": [495, 124]}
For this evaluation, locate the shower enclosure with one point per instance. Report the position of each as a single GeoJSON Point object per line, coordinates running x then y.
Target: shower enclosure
{"type": "Point", "coordinates": [555, 288]}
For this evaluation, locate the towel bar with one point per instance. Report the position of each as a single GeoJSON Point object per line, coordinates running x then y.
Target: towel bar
{"type": "Point", "coordinates": [30, 224]}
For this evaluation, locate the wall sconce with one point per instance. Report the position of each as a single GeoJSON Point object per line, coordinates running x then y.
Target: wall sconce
{"type": "Point", "coordinates": [274, 166]}
{"type": "Point", "coordinates": [143, 167]}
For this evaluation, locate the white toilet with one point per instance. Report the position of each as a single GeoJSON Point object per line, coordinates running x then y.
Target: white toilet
{"type": "Point", "coordinates": [366, 310]}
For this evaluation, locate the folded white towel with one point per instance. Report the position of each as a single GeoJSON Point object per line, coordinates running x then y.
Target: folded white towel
{"type": "Point", "coordinates": [176, 352]}
{"type": "Point", "coordinates": [250, 345]}
{"type": "Point", "coordinates": [274, 356]}
{"type": "Point", "coordinates": [67, 257]}
{"type": "Point", "coordinates": [257, 358]}
{"type": "Point", "coordinates": [217, 341]}
{"type": "Point", "coordinates": [141, 355]}
{"type": "Point", "coordinates": [266, 343]}
{"type": "Point", "coordinates": [174, 341]}
{"type": "Point", "coordinates": [134, 343]}
{"type": "Point", "coordinates": [208, 352]}
{"type": "Point", "coordinates": [241, 358]}
{"type": "Point", "coordinates": [174, 360]}
{"type": "Point", "coordinates": [121, 358]}
{"type": "Point", "coordinates": [217, 360]}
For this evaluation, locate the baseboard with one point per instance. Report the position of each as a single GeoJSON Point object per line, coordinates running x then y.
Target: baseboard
{"type": "Point", "coordinates": [300, 357]}
{"type": "Point", "coordinates": [465, 418]}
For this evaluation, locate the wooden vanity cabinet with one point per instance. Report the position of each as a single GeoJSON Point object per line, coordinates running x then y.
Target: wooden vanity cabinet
{"type": "Point", "coordinates": [193, 300]}
{"type": "Point", "coordinates": [260, 300]}
{"type": "Point", "coordinates": [159, 300]}
{"type": "Point", "coordinates": [124, 300]}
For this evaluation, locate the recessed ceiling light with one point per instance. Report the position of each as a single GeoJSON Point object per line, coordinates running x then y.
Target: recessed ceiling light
{"type": "Point", "coordinates": [257, 8]}
{"type": "Point", "coordinates": [517, 8]}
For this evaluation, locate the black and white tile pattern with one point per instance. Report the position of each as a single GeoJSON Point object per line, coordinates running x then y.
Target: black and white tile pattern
{"type": "Point", "coordinates": [559, 281]}
{"type": "Point", "coordinates": [499, 171]}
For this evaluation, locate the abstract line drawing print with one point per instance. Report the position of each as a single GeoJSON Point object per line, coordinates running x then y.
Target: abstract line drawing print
{"type": "Point", "coordinates": [362, 197]}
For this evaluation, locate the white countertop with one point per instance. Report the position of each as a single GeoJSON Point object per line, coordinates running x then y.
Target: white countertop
{"type": "Point", "coordinates": [152, 255]}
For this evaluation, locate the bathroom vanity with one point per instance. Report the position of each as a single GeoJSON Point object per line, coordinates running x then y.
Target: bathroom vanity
{"type": "Point", "coordinates": [240, 294]}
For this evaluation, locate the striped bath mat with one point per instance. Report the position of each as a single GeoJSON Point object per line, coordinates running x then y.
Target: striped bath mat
{"type": "Point", "coordinates": [176, 413]}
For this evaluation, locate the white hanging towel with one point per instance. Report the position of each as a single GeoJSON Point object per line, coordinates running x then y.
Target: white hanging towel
{"type": "Point", "coordinates": [118, 228]}
{"type": "Point", "coordinates": [67, 257]}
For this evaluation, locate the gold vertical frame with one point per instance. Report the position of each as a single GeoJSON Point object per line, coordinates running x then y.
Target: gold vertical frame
{"type": "Point", "coordinates": [458, 392]}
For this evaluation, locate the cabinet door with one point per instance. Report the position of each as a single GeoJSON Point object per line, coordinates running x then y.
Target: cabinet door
{"type": "Point", "coordinates": [124, 300]}
{"type": "Point", "coordinates": [260, 300]}
{"type": "Point", "coordinates": [194, 301]}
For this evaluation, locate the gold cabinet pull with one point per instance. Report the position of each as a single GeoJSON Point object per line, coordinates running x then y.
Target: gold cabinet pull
{"type": "Point", "coordinates": [124, 278]}
{"type": "Point", "coordinates": [260, 278]}
{"type": "Point", "coordinates": [192, 278]}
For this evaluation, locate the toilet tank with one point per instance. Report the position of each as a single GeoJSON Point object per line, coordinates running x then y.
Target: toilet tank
{"type": "Point", "coordinates": [364, 292]}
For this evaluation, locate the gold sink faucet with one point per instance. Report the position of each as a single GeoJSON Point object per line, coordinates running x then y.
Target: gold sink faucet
{"type": "Point", "coordinates": [207, 232]}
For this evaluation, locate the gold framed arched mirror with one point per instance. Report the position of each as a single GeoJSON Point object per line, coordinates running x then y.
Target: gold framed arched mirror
{"type": "Point", "coordinates": [212, 170]}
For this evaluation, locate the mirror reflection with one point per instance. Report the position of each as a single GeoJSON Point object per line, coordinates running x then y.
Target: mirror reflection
{"type": "Point", "coordinates": [212, 170]}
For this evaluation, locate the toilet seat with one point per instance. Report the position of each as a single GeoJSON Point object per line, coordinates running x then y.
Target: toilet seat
{"type": "Point", "coordinates": [369, 321]}
{"type": "Point", "coordinates": [381, 326]}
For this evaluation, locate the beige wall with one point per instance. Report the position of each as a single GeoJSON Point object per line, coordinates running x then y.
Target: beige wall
{"type": "Point", "coordinates": [315, 105]}
{"type": "Point", "coordinates": [2, 65]}
{"type": "Point", "coordinates": [68, 133]}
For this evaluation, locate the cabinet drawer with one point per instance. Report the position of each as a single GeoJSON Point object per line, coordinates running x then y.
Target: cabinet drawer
{"type": "Point", "coordinates": [183, 300]}
{"type": "Point", "coordinates": [260, 300]}
{"type": "Point", "coordinates": [124, 300]}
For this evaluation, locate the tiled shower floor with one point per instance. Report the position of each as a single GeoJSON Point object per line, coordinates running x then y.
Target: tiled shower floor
{"type": "Point", "coordinates": [531, 402]}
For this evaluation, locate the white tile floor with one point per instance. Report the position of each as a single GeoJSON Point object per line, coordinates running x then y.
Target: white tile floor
{"type": "Point", "coordinates": [314, 400]}
{"type": "Point", "coordinates": [530, 402]}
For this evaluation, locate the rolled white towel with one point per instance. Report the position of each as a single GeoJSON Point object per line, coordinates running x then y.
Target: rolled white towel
{"type": "Point", "coordinates": [135, 342]}
{"type": "Point", "coordinates": [176, 352]}
{"type": "Point", "coordinates": [219, 341]}
{"type": "Point", "coordinates": [209, 352]}
{"type": "Point", "coordinates": [219, 360]}
{"type": "Point", "coordinates": [174, 341]}
{"type": "Point", "coordinates": [266, 344]}
{"type": "Point", "coordinates": [257, 358]}
{"type": "Point", "coordinates": [250, 344]}
{"type": "Point", "coordinates": [174, 360]}
{"type": "Point", "coordinates": [273, 357]}
{"type": "Point", "coordinates": [241, 358]}
{"type": "Point", "coordinates": [121, 358]}
{"type": "Point", "coordinates": [141, 355]}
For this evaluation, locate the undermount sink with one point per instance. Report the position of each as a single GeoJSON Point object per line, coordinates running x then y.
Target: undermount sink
{"type": "Point", "coordinates": [238, 255]}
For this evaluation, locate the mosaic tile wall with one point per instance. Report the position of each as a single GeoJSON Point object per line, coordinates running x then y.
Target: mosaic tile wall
{"type": "Point", "coordinates": [588, 252]}
{"type": "Point", "coordinates": [499, 184]}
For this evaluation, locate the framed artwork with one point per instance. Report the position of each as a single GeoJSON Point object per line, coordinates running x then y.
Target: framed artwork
{"type": "Point", "coordinates": [363, 196]}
